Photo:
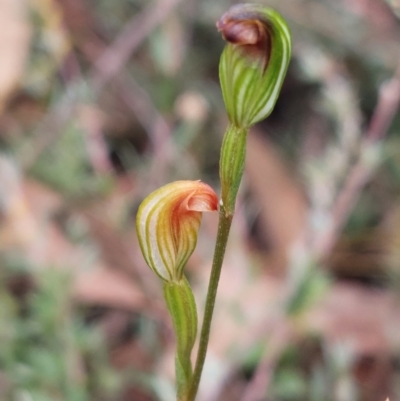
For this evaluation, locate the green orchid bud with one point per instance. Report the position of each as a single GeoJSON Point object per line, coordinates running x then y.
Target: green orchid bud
{"type": "Point", "coordinates": [253, 64]}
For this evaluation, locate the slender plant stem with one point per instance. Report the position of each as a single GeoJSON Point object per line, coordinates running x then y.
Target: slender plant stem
{"type": "Point", "coordinates": [220, 246]}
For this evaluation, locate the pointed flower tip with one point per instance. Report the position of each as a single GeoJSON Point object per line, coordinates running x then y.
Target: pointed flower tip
{"type": "Point", "coordinates": [254, 62]}
{"type": "Point", "coordinates": [246, 26]}
{"type": "Point", "coordinates": [167, 224]}
{"type": "Point", "coordinates": [202, 199]}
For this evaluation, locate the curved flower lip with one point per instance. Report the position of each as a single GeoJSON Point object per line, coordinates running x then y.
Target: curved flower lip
{"type": "Point", "coordinates": [246, 26]}
{"type": "Point", "coordinates": [167, 224]}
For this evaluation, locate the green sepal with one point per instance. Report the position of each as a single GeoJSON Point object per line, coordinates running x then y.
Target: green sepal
{"type": "Point", "coordinates": [182, 307]}
{"type": "Point", "coordinates": [233, 155]}
{"type": "Point", "coordinates": [251, 76]}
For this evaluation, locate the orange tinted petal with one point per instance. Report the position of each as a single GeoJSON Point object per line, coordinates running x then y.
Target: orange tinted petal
{"type": "Point", "coordinates": [167, 224]}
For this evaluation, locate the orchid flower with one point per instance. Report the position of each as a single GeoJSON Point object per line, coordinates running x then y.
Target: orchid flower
{"type": "Point", "coordinates": [167, 224]}
{"type": "Point", "coordinates": [254, 62]}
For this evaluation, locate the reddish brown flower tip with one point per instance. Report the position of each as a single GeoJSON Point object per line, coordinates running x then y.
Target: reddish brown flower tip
{"type": "Point", "coordinates": [246, 27]}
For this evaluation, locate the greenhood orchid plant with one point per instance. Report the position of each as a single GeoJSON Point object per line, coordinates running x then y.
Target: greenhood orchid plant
{"type": "Point", "coordinates": [252, 69]}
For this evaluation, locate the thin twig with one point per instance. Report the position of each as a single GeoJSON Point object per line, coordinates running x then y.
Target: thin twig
{"type": "Point", "coordinates": [388, 103]}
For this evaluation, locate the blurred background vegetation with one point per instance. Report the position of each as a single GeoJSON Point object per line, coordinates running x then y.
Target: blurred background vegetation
{"type": "Point", "coordinates": [101, 103]}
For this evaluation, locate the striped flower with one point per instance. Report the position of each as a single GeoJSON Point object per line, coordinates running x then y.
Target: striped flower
{"type": "Point", "coordinates": [167, 224]}
{"type": "Point", "coordinates": [254, 62]}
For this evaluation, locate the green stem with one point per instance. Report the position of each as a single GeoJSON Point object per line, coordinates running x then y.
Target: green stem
{"type": "Point", "coordinates": [233, 153]}
{"type": "Point", "coordinates": [224, 226]}
{"type": "Point", "coordinates": [182, 307]}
